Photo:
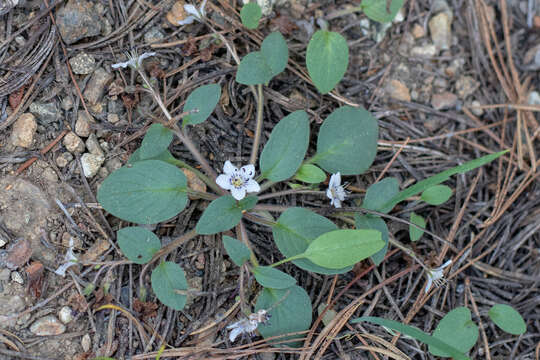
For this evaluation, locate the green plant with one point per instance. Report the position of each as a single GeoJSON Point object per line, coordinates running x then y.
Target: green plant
{"type": "Point", "coordinates": [152, 188]}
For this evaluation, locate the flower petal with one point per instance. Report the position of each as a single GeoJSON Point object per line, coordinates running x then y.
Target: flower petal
{"type": "Point", "coordinates": [203, 5]}
{"type": "Point", "coordinates": [144, 56]}
{"type": "Point", "coordinates": [248, 171]}
{"type": "Point", "coordinates": [445, 264]}
{"type": "Point", "coordinates": [329, 194]}
{"type": "Point", "coordinates": [252, 186]}
{"type": "Point", "coordinates": [337, 203]}
{"type": "Point", "coordinates": [229, 168]}
{"type": "Point", "coordinates": [338, 178]}
{"type": "Point", "coordinates": [190, 9]}
{"type": "Point", "coordinates": [190, 19]}
{"type": "Point", "coordinates": [428, 285]}
{"type": "Point", "coordinates": [224, 181]}
{"type": "Point", "coordinates": [120, 65]}
{"type": "Point", "coordinates": [234, 334]}
{"type": "Point", "coordinates": [238, 194]}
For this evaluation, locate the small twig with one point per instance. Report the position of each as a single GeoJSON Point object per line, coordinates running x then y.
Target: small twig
{"type": "Point", "coordinates": [259, 126]}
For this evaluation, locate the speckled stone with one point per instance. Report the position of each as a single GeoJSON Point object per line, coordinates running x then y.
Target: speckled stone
{"type": "Point", "coordinates": [82, 64]}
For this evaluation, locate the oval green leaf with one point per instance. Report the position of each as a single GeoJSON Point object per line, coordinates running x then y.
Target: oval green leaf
{"type": "Point", "coordinates": [138, 244]}
{"type": "Point", "coordinates": [374, 223]}
{"type": "Point", "coordinates": [165, 156]}
{"type": "Point", "coordinates": [436, 195]}
{"type": "Point", "coordinates": [204, 99]}
{"type": "Point", "coordinates": [250, 15]}
{"type": "Point", "coordinates": [270, 277]}
{"type": "Point", "coordinates": [156, 141]}
{"type": "Point", "coordinates": [147, 192]}
{"type": "Point", "coordinates": [457, 330]}
{"type": "Point", "coordinates": [290, 311]}
{"type": "Point", "coordinates": [347, 141]}
{"type": "Point", "coordinates": [310, 174]}
{"type": "Point", "coordinates": [377, 10]}
{"type": "Point", "coordinates": [168, 279]}
{"type": "Point", "coordinates": [237, 251]}
{"type": "Point", "coordinates": [295, 229]}
{"type": "Point", "coordinates": [378, 194]}
{"type": "Point", "coordinates": [414, 232]}
{"type": "Point", "coordinates": [327, 59]}
{"type": "Point", "coordinates": [222, 214]}
{"type": "Point", "coordinates": [339, 248]}
{"type": "Point", "coordinates": [507, 319]}
{"type": "Point", "coordinates": [285, 150]}
{"type": "Point", "coordinates": [253, 70]}
{"type": "Point", "coordinates": [275, 52]}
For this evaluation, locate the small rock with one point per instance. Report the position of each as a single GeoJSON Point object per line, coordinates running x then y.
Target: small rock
{"type": "Point", "coordinates": [45, 113]}
{"type": "Point", "coordinates": [67, 103]}
{"type": "Point", "coordinates": [65, 314]}
{"type": "Point", "coordinates": [440, 27]}
{"type": "Point", "coordinates": [82, 125]}
{"type": "Point", "coordinates": [475, 109]}
{"type": "Point", "coordinates": [86, 342]}
{"type": "Point", "coordinates": [113, 164]}
{"type": "Point", "coordinates": [455, 66]}
{"type": "Point", "coordinates": [425, 51]}
{"type": "Point", "coordinates": [17, 277]}
{"type": "Point", "coordinates": [113, 118]}
{"type": "Point", "coordinates": [24, 130]}
{"type": "Point", "coordinates": [153, 35]}
{"type": "Point", "coordinates": [49, 174]}
{"type": "Point", "coordinates": [446, 100]}
{"type": "Point", "coordinates": [82, 64]}
{"type": "Point", "coordinates": [465, 86]}
{"type": "Point", "coordinates": [92, 144]}
{"type": "Point", "coordinates": [64, 159]}
{"type": "Point", "coordinates": [398, 90]}
{"type": "Point", "coordinates": [5, 274]}
{"type": "Point", "coordinates": [48, 325]}
{"type": "Point", "coordinates": [96, 250]}
{"type": "Point", "coordinates": [91, 164]}
{"type": "Point", "coordinates": [97, 84]}
{"type": "Point", "coordinates": [77, 20]}
{"type": "Point", "coordinates": [534, 98]}
{"type": "Point", "coordinates": [73, 143]}
{"type": "Point", "coordinates": [194, 183]}
{"type": "Point", "coordinates": [418, 31]}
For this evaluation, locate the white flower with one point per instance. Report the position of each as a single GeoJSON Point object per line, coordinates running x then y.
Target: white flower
{"type": "Point", "coordinates": [69, 260]}
{"type": "Point", "coordinates": [335, 191]}
{"type": "Point", "coordinates": [238, 181]}
{"type": "Point", "coordinates": [248, 325]}
{"type": "Point", "coordinates": [195, 14]}
{"type": "Point", "coordinates": [436, 276]}
{"type": "Point", "coordinates": [134, 61]}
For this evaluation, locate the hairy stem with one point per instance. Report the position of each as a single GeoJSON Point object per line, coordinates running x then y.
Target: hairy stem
{"type": "Point", "coordinates": [259, 126]}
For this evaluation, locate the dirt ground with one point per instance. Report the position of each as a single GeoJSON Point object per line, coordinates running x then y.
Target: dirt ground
{"type": "Point", "coordinates": [448, 81]}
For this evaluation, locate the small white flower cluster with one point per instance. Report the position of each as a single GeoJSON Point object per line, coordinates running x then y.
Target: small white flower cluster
{"type": "Point", "coordinates": [238, 181]}
{"type": "Point", "coordinates": [195, 14]}
{"type": "Point", "coordinates": [436, 276]}
{"type": "Point", "coordinates": [248, 325]}
{"type": "Point", "coordinates": [134, 61]}
{"type": "Point", "coordinates": [335, 192]}
{"type": "Point", "coordinates": [69, 260]}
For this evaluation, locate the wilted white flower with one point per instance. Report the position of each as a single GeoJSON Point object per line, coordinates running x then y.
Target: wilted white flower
{"type": "Point", "coordinates": [436, 276]}
{"type": "Point", "coordinates": [195, 14]}
{"type": "Point", "coordinates": [69, 260]}
{"type": "Point", "coordinates": [238, 181]}
{"type": "Point", "coordinates": [248, 325]}
{"type": "Point", "coordinates": [335, 191]}
{"type": "Point", "coordinates": [134, 61]}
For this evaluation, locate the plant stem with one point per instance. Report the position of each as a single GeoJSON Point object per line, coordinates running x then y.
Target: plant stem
{"type": "Point", "coordinates": [302, 190]}
{"type": "Point", "coordinates": [241, 231]}
{"type": "Point", "coordinates": [299, 256]}
{"type": "Point", "coordinates": [266, 185]}
{"type": "Point", "coordinates": [259, 220]}
{"type": "Point", "coordinates": [259, 126]}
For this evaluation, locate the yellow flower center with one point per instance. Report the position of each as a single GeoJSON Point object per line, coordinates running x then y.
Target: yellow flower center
{"type": "Point", "coordinates": [237, 181]}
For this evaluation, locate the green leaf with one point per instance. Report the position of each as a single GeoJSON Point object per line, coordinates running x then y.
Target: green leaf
{"type": "Point", "coordinates": [250, 14]}
{"type": "Point", "coordinates": [457, 330]}
{"type": "Point", "coordinates": [436, 195]}
{"type": "Point", "coordinates": [147, 192]}
{"type": "Point", "coordinates": [138, 244]}
{"type": "Point", "coordinates": [270, 277]}
{"type": "Point", "coordinates": [375, 223]}
{"type": "Point", "coordinates": [290, 311]}
{"type": "Point", "coordinates": [166, 279]}
{"type": "Point", "coordinates": [339, 248]}
{"type": "Point", "coordinates": [259, 67]}
{"type": "Point", "coordinates": [378, 194]}
{"type": "Point", "coordinates": [204, 99]}
{"type": "Point", "coordinates": [275, 52]}
{"type": "Point", "coordinates": [310, 174]}
{"type": "Point", "coordinates": [414, 333]}
{"type": "Point", "coordinates": [414, 232]}
{"type": "Point", "coordinates": [165, 156]}
{"type": "Point", "coordinates": [156, 141]}
{"type": "Point", "coordinates": [377, 9]}
{"type": "Point", "coordinates": [248, 202]}
{"type": "Point", "coordinates": [507, 319]}
{"type": "Point", "coordinates": [285, 150]}
{"type": "Point", "coordinates": [327, 59]}
{"type": "Point", "coordinates": [295, 229]}
{"type": "Point", "coordinates": [222, 214]}
{"type": "Point", "coordinates": [237, 251]}
{"type": "Point", "coordinates": [347, 141]}
{"type": "Point", "coordinates": [441, 177]}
